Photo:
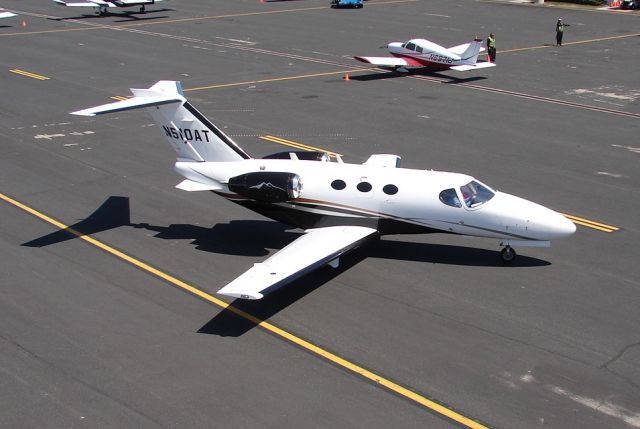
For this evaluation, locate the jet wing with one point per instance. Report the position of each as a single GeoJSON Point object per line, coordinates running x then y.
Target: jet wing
{"type": "Point", "coordinates": [467, 67]}
{"type": "Point", "coordinates": [310, 251]}
{"type": "Point", "coordinates": [384, 61]}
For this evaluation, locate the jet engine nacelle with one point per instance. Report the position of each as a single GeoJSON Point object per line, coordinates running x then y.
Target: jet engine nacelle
{"type": "Point", "coordinates": [267, 186]}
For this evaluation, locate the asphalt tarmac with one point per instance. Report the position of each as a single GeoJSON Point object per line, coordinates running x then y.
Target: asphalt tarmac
{"type": "Point", "coordinates": [121, 327]}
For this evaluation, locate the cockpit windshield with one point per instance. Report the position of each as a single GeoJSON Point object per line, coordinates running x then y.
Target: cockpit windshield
{"type": "Point", "coordinates": [475, 194]}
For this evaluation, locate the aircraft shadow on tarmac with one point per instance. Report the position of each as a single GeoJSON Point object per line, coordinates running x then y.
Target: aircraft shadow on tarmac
{"type": "Point", "coordinates": [238, 237]}
{"type": "Point", "coordinates": [255, 238]}
{"type": "Point", "coordinates": [381, 75]}
{"type": "Point", "coordinates": [113, 213]}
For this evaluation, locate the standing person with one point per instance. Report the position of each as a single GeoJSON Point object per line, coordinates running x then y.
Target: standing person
{"type": "Point", "coordinates": [491, 47]}
{"type": "Point", "coordinates": [560, 31]}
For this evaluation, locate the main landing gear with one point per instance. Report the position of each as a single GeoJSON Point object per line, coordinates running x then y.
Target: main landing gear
{"type": "Point", "coordinates": [508, 254]}
{"type": "Point", "coordinates": [142, 9]}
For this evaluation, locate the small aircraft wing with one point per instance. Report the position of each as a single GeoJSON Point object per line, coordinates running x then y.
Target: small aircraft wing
{"type": "Point", "coordinates": [5, 14]}
{"type": "Point", "coordinates": [310, 251]}
{"type": "Point", "coordinates": [467, 67]}
{"type": "Point", "coordinates": [384, 61]}
{"type": "Point", "coordinates": [96, 3]}
{"type": "Point", "coordinates": [125, 3]}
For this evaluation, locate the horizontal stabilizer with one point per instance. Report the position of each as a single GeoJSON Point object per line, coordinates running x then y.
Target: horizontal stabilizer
{"type": "Point", "coordinates": [467, 67]}
{"type": "Point", "coordinates": [310, 251]}
{"type": "Point", "coordinates": [190, 185]}
{"type": "Point", "coordinates": [130, 104]}
{"type": "Point", "coordinates": [188, 132]}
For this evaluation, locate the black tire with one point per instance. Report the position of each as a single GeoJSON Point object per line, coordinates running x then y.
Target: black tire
{"type": "Point", "coordinates": [508, 254]}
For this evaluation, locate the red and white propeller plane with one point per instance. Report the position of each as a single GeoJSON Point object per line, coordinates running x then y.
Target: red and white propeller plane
{"type": "Point", "coordinates": [420, 53]}
{"type": "Point", "coordinates": [339, 205]}
{"type": "Point", "coordinates": [102, 5]}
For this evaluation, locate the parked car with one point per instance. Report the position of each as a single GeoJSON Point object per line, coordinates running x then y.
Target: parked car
{"type": "Point", "coordinates": [630, 4]}
{"type": "Point", "coordinates": [347, 3]}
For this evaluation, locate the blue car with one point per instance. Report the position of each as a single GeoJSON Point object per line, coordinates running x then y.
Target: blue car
{"type": "Point", "coordinates": [347, 3]}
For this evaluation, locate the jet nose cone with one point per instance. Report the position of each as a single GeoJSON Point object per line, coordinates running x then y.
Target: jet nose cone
{"type": "Point", "coordinates": [564, 227]}
{"type": "Point", "coordinates": [554, 225]}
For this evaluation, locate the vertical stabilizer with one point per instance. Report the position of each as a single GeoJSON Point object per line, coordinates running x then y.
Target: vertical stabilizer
{"type": "Point", "coordinates": [189, 132]}
{"type": "Point", "coordinates": [470, 55]}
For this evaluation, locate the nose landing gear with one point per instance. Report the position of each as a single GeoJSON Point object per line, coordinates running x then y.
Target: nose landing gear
{"type": "Point", "coordinates": [508, 254]}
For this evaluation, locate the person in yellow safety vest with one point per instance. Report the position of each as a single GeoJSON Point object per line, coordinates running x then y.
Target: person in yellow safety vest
{"type": "Point", "coordinates": [491, 47]}
{"type": "Point", "coordinates": [560, 31]}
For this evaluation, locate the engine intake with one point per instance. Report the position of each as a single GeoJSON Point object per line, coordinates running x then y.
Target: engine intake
{"type": "Point", "coordinates": [267, 186]}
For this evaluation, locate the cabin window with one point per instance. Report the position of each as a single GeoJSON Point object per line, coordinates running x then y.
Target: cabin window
{"type": "Point", "coordinates": [338, 185]}
{"type": "Point", "coordinates": [390, 189]}
{"type": "Point", "coordinates": [364, 186]}
{"type": "Point", "coordinates": [411, 46]}
{"type": "Point", "coordinates": [419, 49]}
{"type": "Point", "coordinates": [450, 198]}
{"type": "Point", "coordinates": [475, 194]}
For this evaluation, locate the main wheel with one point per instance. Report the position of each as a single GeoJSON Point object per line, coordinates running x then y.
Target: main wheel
{"type": "Point", "coordinates": [508, 255]}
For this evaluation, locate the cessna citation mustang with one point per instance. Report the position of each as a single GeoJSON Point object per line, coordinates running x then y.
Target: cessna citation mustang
{"type": "Point", "coordinates": [420, 53]}
{"type": "Point", "coordinates": [339, 205]}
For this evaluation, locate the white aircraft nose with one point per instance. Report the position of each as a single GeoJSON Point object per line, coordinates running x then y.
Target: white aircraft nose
{"type": "Point", "coordinates": [553, 225]}
{"type": "Point", "coordinates": [530, 219]}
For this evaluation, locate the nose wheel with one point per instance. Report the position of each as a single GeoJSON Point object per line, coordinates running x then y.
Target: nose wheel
{"type": "Point", "coordinates": [508, 254]}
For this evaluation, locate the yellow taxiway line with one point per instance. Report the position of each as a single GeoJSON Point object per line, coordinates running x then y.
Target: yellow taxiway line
{"type": "Point", "coordinates": [276, 79]}
{"type": "Point", "coordinates": [591, 223]}
{"type": "Point", "coordinates": [578, 42]}
{"type": "Point", "coordinates": [306, 345]}
{"type": "Point", "coordinates": [29, 74]}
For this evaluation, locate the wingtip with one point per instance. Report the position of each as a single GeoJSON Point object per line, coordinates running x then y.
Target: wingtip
{"type": "Point", "coordinates": [240, 295]}
{"type": "Point", "coordinates": [82, 113]}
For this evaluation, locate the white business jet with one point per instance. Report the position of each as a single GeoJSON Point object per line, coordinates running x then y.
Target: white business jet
{"type": "Point", "coordinates": [421, 53]}
{"type": "Point", "coordinates": [102, 5]}
{"type": "Point", "coordinates": [339, 205]}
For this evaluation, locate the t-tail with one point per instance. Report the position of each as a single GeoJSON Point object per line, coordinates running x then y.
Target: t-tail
{"type": "Point", "coordinates": [470, 55]}
{"type": "Point", "coordinates": [189, 132]}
